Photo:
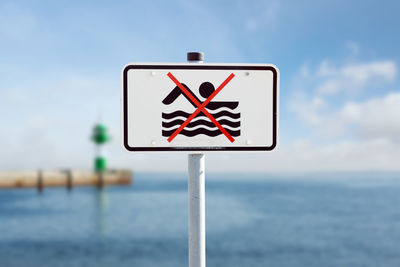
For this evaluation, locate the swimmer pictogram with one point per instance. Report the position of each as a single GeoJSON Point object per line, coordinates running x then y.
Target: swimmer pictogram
{"type": "Point", "coordinates": [220, 120]}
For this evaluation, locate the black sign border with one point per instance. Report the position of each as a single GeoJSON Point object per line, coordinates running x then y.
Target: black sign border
{"type": "Point", "coordinates": [199, 67]}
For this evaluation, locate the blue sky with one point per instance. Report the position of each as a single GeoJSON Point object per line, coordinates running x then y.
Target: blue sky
{"type": "Point", "coordinates": [339, 99]}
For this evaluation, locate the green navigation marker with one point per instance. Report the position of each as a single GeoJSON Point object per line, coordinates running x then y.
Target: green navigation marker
{"type": "Point", "coordinates": [100, 137]}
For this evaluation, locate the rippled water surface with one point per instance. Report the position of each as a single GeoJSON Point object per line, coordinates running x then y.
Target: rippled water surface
{"type": "Point", "coordinates": [251, 221]}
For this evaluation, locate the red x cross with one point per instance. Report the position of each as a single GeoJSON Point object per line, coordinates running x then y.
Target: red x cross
{"type": "Point", "coordinates": [200, 107]}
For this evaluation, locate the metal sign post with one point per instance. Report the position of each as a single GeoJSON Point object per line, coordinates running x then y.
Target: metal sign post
{"type": "Point", "coordinates": [195, 107]}
{"type": "Point", "coordinates": [196, 194]}
{"type": "Point", "coordinates": [197, 229]}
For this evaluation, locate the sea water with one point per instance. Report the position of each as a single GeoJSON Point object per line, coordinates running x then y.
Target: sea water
{"type": "Point", "coordinates": [251, 220]}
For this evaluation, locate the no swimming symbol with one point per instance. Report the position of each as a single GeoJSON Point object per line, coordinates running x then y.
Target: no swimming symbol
{"type": "Point", "coordinates": [222, 120]}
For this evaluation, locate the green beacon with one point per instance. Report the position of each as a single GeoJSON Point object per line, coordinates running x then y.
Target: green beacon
{"type": "Point", "coordinates": [100, 137]}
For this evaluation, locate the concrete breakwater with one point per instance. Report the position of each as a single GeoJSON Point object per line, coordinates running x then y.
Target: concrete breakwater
{"type": "Point", "coordinates": [63, 178]}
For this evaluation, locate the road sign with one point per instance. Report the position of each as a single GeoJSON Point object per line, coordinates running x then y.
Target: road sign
{"type": "Point", "coordinates": [200, 107]}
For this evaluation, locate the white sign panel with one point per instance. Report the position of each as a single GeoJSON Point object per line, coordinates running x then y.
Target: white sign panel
{"type": "Point", "coordinates": [200, 107]}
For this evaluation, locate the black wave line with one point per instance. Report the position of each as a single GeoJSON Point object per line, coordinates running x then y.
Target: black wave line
{"type": "Point", "coordinates": [201, 122]}
{"type": "Point", "coordinates": [201, 131]}
{"type": "Point", "coordinates": [178, 113]}
{"type": "Point", "coordinates": [216, 105]}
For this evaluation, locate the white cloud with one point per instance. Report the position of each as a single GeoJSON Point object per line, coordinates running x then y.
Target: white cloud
{"type": "Point", "coordinates": [303, 155]}
{"type": "Point", "coordinates": [48, 121]}
{"type": "Point", "coordinates": [353, 77]}
{"type": "Point", "coordinates": [308, 110]}
{"type": "Point", "coordinates": [360, 74]}
{"type": "Point", "coordinates": [346, 134]}
{"type": "Point", "coordinates": [346, 155]}
{"type": "Point", "coordinates": [314, 106]}
{"type": "Point", "coordinates": [374, 118]}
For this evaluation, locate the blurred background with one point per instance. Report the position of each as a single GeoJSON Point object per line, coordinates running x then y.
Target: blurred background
{"type": "Point", "coordinates": [327, 196]}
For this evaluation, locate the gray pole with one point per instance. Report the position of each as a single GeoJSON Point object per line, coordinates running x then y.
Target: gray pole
{"type": "Point", "coordinates": [196, 190]}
